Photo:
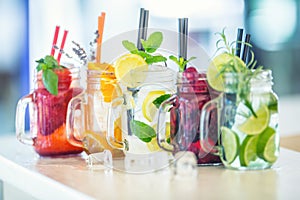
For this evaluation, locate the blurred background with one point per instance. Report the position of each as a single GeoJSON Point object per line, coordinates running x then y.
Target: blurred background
{"type": "Point", "coordinates": [27, 27]}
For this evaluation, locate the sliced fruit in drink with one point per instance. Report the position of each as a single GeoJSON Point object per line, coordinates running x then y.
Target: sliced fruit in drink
{"type": "Point", "coordinates": [148, 108]}
{"type": "Point", "coordinates": [129, 68]}
{"type": "Point", "coordinates": [256, 125]}
{"type": "Point", "coordinates": [223, 63]}
{"type": "Point", "coordinates": [153, 145]}
{"type": "Point", "coordinates": [248, 150]}
{"type": "Point", "coordinates": [93, 142]}
{"type": "Point", "coordinates": [266, 145]}
{"type": "Point", "coordinates": [230, 143]}
{"type": "Point", "coordinates": [100, 66]}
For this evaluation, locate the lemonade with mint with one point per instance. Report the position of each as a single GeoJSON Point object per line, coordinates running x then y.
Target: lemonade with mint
{"type": "Point", "coordinates": [143, 78]}
{"type": "Point", "coordinates": [248, 112]}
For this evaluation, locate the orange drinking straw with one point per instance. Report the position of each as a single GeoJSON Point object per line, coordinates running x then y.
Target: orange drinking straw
{"type": "Point", "coordinates": [54, 40]}
{"type": "Point", "coordinates": [101, 20]}
{"type": "Point", "coordinates": [62, 45]}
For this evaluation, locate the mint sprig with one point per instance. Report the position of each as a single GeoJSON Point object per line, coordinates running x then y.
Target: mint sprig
{"type": "Point", "coordinates": [150, 46]}
{"type": "Point", "coordinates": [143, 131]}
{"type": "Point", "coordinates": [161, 99]}
{"type": "Point", "coordinates": [181, 62]}
{"type": "Point", "coordinates": [49, 77]}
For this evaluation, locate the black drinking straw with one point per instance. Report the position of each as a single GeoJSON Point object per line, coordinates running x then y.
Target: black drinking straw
{"type": "Point", "coordinates": [239, 40]}
{"type": "Point", "coordinates": [145, 25]}
{"type": "Point", "coordinates": [183, 32]}
{"type": "Point", "coordinates": [140, 32]}
{"type": "Point", "coordinates": [185, 36]}
{"type": "Point", "coordinates": [246, 48]}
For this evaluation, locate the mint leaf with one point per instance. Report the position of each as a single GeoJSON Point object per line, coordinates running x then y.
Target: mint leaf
{"type": "Point", "coordinates": [155, 59]}
{"type": "Point", "coordinates": [130, 46]}
{"type": "Point", "coordinates": [143, 131]}
{"type": "Point", "coordinates": [153, 42]}
{"type": "Point", "coordinates": [50, 80]}
{"type": "Point", "coordinates": [41, 66]}
{"type": "Point", "coordinates": [161, 99]}
{"type": "Point", "coordinates": [40, 60]}
{"type": "Point", "coordinates": [173, 58]}
{"type": "Point", "coordinates": [144, 55]}
{"type": "Point", "coordinates": [181, 62]}
{"type": "Point", "coordinates": [51, 62]}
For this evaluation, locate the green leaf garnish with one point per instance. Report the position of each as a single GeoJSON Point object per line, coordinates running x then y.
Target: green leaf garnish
{"type": "Point", "coordinates": [143, 131]}
{"type": "Point", "coordinates": [130, 46]}
{"type": "Point", "coordinates": [181, 62]}
{"type": "Point", "coordinates": [50, 78]}
{"type": "Point", "coordinates": [150, 46]}
{"type": "Point", "coordinates": [161, 99]}
{"type": "Point", "coordinates": [153, 43]}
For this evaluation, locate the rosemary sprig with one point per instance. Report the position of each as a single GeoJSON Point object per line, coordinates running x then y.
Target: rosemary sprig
{"type": "Point", "coordinates": [250, 71]}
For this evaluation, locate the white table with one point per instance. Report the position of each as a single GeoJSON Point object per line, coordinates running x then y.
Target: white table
{"type": "Point", "coordinates": [69, 178]}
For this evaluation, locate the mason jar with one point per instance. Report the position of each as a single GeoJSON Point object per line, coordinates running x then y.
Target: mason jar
{"type": "Point", "coordinates": [87, 112]}
{"type": "Point", "coordinates": [48, 114]}
{"type": "Point", "coordinates": [248, 121]}
{"type": "Point", "coordinates": [185, 109]}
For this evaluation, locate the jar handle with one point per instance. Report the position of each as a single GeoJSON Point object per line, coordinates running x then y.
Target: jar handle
{"type": "Point", "coordinates": [111, 139]}
{"type": "Point", "coordinates": [74, 135]}
{"type": "Point", "coordinates": [161, 123]}
{"type": "Point", "coordinates": [204, 126]}
{"type": "Point", "coordinates": [20, 120]}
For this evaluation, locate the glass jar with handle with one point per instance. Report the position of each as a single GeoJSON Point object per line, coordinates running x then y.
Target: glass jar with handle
{"type": "Point", "coordinates": [48, 113]}
{"type": "Point", "coordinates": [185, 109]}
{"type": "Point", "coordinates": [248, 121]}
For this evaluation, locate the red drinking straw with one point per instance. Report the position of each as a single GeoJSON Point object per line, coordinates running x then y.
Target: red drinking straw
{"type": "Point", "coordinates": [62, 45]}
{"type": "Point", "coordinates": [54, 40]}
{"type": "Point", "coordinates": [101, 20]}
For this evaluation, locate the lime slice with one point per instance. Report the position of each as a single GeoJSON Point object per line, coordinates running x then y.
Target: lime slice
{"type": "Point", "coordinates": [148, 108]}
{"type": "Point", "coordinates": [273, 103]}
{"type": "Point", "coordinates": [256, 125]}
{"type": "Point", "coordinates": [248, 150]}
{"type": "Point", "coordinates": [129, 70]}
{"type": "Point", "coordinates": [266, 146]}
{"type": "Point", "coordinates": [214, 78]}
{"type": "Point", "coordinates": [230, 143]}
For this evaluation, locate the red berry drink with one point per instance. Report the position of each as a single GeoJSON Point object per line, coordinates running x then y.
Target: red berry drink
{"type": "Point", "coordinates": [49, 114]}
{"type": "Point", "coordinates": [192, 93]}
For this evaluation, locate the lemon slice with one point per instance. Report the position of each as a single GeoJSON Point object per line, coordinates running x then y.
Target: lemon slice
{"type": "Point", "coordinates": [96, 142]}
{"type": "Point", "coordinates": [248, 150]}
{"type": "Point", "coordinates": [93, 142]}
{"type": "Point", "coordinates": [256, 125]}
{"type": "Point", "coordinates": [100, 66]}
{"type": "Point", "coordinates": [148, 108]}
{"type": "Point", "coordinates": [213, 77]}
{"type": "Point", "coordinates": [266, 145]}
{"type": "Point", "coordinates": [129, 70]}
{"type": "Point", "coordinates": [153, 145]}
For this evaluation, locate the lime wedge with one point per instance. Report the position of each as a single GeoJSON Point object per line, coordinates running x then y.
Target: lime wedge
{"type": "Point", "coordinates": [248, 150]}
{"type": "Point", "coordinates": [233, 63]}
{"type": "Point", "coordinates": [148, 108]}
{"type": "Point", "coordinates": [230, 143]}
{"type": "Point", "coordinates": [266, 146]}
{"type": "Point", "coordinates": [256, 125]}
